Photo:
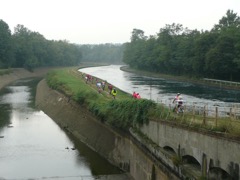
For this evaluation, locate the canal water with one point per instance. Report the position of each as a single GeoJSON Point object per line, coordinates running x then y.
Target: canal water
{"type": "Point", "coordinates": [163, 91]}
{"type": "Point", "coordinates": [32, 146]}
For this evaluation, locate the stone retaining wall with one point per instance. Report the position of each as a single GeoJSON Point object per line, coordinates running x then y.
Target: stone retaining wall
{"type": "Point", "coordinates": [116, 148]}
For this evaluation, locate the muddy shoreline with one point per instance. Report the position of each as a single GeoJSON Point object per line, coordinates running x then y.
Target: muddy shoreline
{"type": "Point", "coordinates": [20, 73]}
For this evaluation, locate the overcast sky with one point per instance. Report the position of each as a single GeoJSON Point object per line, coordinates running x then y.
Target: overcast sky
{"type": "Point", "coordinates": [111, 21]}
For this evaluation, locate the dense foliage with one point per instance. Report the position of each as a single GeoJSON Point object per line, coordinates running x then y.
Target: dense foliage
{"type": "Point", "coordinates": [180, 51]}
{"type": "Point", "coordinates": [107, 53]}
{"type": "Point", "coordinates": [128, 113]}
{"type": "Point", "coordinates": [28, 49]}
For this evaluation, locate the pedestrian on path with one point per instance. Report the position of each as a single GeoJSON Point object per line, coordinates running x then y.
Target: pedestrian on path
{"type": "Point", "coordinates": [114, 93]}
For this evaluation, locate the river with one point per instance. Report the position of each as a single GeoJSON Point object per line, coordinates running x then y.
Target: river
{"type": "Point", "coordinates": [163, 90]}
{"type": "Point", "coordinates": [32, 146]}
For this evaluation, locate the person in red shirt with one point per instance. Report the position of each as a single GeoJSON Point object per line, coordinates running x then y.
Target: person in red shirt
{"type": "Point", "coordinates": [134, 95]}
{"type": "Point", "coordinates": [138, 96]}
{"type": "Point", "coordinates": [110, 87]}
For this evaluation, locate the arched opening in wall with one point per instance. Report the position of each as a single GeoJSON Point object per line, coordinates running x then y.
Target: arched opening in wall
{"type": "Point", "coordinates": [218, 173]}
{"type": "Point", "coordinates": [192, 166]}
{"type": "Point", "coordinates": [169, 150]}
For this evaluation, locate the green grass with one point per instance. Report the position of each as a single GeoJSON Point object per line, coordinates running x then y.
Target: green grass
{"type": "Point", "coordinates": [5, 71]}
{"type": "Point", "coordinates": [124, 111]}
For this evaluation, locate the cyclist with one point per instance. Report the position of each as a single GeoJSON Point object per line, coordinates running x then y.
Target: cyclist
{"type": "Point", "coordinates": [179, 103]}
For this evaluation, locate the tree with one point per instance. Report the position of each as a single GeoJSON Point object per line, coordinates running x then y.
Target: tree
{"type": "Point", "coordinates": [230, 20]}
{"type": "Point", "coordinates": [180, 51]}
{"type": "Point", "coordinates": [6, 46]}
{"type": "Point", "coordinates": [23, 48]}
{"type": "Point", "coordinates": [137, 34]}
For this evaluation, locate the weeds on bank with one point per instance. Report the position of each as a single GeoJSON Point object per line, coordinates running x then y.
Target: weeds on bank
{"type": "Point", "coordinates": [128, 113]}
{"type": "Point", "coordinates": [122, 112]}
{"type": "Point", "coordinates": [225, 125]}
{"type": "Point", "coordinates": [5, 71]}
{"type": "Point", "coordinates": [125, 112]}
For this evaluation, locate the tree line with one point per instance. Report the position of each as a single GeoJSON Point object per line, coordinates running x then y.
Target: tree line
{"type": "Point", "coordinates": [179, 51]}
{"type": "Point", "coordinates": [27, 49]}
{"type": "Point", "coordinates": [107, 53]}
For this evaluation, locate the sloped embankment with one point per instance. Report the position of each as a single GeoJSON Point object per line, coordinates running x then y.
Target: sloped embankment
{"type": "Point", "coordinates": [19, 73]}
{"type": "Point", "coordinates": [116, 148]}
{"type": "Point", "coordinates": [74, 119]}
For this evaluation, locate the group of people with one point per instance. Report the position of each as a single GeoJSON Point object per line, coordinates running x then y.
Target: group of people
{"type": "Point", "coordinates": [101, 85]}
{"type": "Point", "coordinates": [88, 78]}
{"type": "Point", "coordinates": [112, 91]}
{"type": "Point", "coordinates": [136, 95]}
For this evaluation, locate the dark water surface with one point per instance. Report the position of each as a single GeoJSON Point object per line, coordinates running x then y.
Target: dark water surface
{"type": "Point", "coordinates": [162, 90]}
{"type": "Point", "coordinates": [32, 146]}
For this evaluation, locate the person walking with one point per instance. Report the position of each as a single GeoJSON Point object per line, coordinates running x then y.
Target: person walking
{"type": "Point", "coordinates": [134, 95]}
{"type": "Point", "coordinates": [138, 96]}
{"type": "Point", "coordinates": [110, 88]}
{"type": "Point", "coordinates": [103, 85]}
{"type": "Point", "coordinates": [114, 93]}
{"type": "Point", "coordinates": [99, 86]}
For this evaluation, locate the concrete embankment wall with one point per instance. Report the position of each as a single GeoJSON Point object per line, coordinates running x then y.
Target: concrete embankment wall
{"type": "Point", "coordinates": [210, 150]}
{"type": "Point", "coordinates": [117, 148]}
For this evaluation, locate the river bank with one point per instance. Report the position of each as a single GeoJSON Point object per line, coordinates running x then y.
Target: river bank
{"type": "Point", "coordinates": [179, 78]}
{"type": "Point", "coordinates": [19, 73]}
{"type": "Point", "coordinates": [113, 146]}
{"type": "Point", "coordinates": [70, 122]}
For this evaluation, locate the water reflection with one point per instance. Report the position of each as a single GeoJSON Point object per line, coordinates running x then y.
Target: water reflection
{"type": "Point", "coordinates": [100, 165]}
{"type": "Point", "coordinates": [4, 115]}
{"type": "Point", "coordinates": [34, 146]}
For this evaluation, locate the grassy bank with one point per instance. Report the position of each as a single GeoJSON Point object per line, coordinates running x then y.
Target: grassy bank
{"type": "Point", "coordinates": [5, 71]}
{"type": "Point", "coordinates": [125, 112]}
{"type": "Point", "coordinates": [122, 112]}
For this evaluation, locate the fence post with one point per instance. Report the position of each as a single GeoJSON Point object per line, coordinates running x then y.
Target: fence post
{"type": "Point", "coordinates": [193, 113]}
{"type": "Point", "coordinates": [162, 111]}
{"type": "Point", "coordinates": [235, 112]}
{"type": "Point", "coordinates": [216, 116]}
{"type": "Point", "coordinates": [204, 115]}
{"type": "Point", "coordinates": [230, 113]}
{"type": "Point", "coordinates": [207, 111]}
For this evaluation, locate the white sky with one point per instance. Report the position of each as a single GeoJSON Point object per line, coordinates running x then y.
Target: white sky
{"type": "Point", "coordinates": [111, 21]}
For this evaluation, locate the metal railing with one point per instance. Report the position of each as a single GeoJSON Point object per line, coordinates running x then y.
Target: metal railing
{"type": "Point", "coordinates": [222, 82]}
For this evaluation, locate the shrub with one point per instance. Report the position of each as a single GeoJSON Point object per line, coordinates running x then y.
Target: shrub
{"type": "Point", "coordinates": [129, 112]}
